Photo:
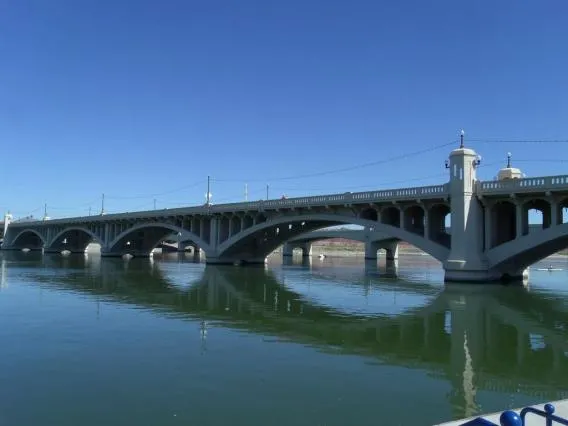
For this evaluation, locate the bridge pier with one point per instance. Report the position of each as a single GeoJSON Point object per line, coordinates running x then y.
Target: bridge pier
{"type": "Point", "coordinates": [133, 253]}
{"type": "Point", "coordinates": [306, 249]}
{"type": "Point", "coordinates": [59, 251]}
{"type": "Point", "coordinates": [371, 248]}
{"type": "Point", "coordinates": [240, 260]}
{"type": "Point", "coordinates": [13, 248]}
{"type": "Point", "coordinates": [392, 251]}
{"type": "Point", "coordinates": [287, 250]}
{"type": "Point", "coordinates": [466, 262]}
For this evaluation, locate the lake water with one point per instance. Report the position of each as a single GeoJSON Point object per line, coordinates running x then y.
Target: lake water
{"type": "Point", "coordinates": [89, 341]}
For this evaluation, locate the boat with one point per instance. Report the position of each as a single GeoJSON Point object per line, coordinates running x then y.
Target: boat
{"type": "Point", "coordinates": [552, 413]}
{"type": "Point", "coordinates": [550, 269]}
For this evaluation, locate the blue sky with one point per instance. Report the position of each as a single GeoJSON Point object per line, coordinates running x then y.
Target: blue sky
{"type": "Point", "coordinates": [142, 100]}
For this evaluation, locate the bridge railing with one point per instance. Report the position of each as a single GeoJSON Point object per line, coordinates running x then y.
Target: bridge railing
{"type": "Point", "coordinates": [511, 418]}
{"type": "Point", "coordinates": [532, 184]}
{"type": "Point", "coordinates": [338, 199]}
{"type": "Point", "coordinates": [401, 194]}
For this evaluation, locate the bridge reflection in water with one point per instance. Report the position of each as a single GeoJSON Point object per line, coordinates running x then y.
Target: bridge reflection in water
{"type": "Point", "coordinates": [501, 339]}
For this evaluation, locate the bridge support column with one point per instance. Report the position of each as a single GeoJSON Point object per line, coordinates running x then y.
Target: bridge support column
{"type": "Point", "coordinates": [371, 249]}
{"type": "Point", "coordinates": [466, 261]}
{"type": "Point", "coordinates": [392, 251]}
{"type": "Point", "coordinates": [519, 218]}
{"type": "Point", "coordinates": [287, 250]}
{"type": "Point", "coordinates": [371, 265]}
{"type": "Point", "coordinates": [555, 212]}
{"type": "Point", "coordinates": [70, 250]}
{"type": "Point", "coordinates": [212, 260]}
{"type": "Point", "coordinates": [106, 252]}
{"type": "Point", "coordinates": [306, 249]}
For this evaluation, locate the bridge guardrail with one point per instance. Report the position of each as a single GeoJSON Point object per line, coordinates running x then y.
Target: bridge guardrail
{"type": "Point", "coordinates": [401, 194]}
{"type": "Point", "coordinates": [511, 418]}
{"type": "Point", "coordinates": [347, 198]}
{"type": "Point", "coordinates": [547, 183]}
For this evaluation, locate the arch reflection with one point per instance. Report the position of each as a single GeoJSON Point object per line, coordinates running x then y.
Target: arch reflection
{"type": "Point", "coordinates": [475, 338]}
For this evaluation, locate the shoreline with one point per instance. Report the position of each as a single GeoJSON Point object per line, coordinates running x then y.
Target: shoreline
{"type": "Point", "coordinates": [339, 252]}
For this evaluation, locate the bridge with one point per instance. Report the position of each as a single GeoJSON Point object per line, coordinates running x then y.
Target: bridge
{"type": "Point", "coordinates": [489, 237]}
{"type": "Point", "coordinates": [451, 335]}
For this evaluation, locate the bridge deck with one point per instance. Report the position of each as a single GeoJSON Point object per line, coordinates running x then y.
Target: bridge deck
{"type": "Point", "coordinates": [386, 196]}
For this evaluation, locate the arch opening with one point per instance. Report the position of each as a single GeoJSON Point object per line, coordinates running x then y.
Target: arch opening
{"type": "Point", "coordinates": [264, 240]}
{"type": "Point", "coordinates": [562, 212]}
{"type": "Point", "coordinates": [141, 240]}
{"type": "Point", "coordinates": [235, 225]}
{"type": "Point", "coordinates": [536, 216]}
{"type": "Point", "coordinates": [391, 216]}
{"type": "Point", "coordinates": [369, 214]}
{"type": "Point", "coordinates": [247, 222]}
{"type": "Point", "coordinates": [28, 240]}
{"type": "Point", "coordinates": [439, 224]}
{"type": "Point", "coordinates": [504, 215]}
{"type": "Point", "coordinates": [74, 240]}
{"type": "Point", "coordinates": [174, 243]}
{"type": "Point", "coordinates": [224, 228]}
{"type": "Point", "coordinates": [414, 219]}
{"type": "Point", "coordinates": [256, 243]}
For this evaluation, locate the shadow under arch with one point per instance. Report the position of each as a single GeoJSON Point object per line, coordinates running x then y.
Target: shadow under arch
{"type": "Point", "coordinates": [141, 239]}
{"type": "Point", "coordinates": [256, 242]}
{"type": "Point", "coordinates": [27, 238]}
{"type": "Point", "coordinates": [75, 239]}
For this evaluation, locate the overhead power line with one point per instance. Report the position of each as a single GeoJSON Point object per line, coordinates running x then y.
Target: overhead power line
{"type": "Point", "coordinates": [344, 169]}
{"type": "Point", "coordinates": [549, 160]}
{"type": "Point", "coordinates": [172, 191]}
{"type": "Point", "coordinates": [496, 140]}
{"type": "Point", "coordinates": [78, 206]}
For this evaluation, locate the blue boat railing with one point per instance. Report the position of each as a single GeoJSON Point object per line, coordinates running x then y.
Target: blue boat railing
{"type": "Point", "coordinates": [511, 418]}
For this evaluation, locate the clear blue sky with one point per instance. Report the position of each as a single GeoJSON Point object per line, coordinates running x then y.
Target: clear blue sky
{"type": "Point", "coordinates": [139, 98]}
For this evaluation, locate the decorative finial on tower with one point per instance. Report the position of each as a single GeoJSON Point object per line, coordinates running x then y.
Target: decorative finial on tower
{"type": "Point", "coordinates": [508, 160]}
{"type": "Point", "coordinates": [462, 133]}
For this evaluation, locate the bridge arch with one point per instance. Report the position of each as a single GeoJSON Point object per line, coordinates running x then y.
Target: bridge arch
{"type": "Point", "coordinates": [525, 251]}
{"type": "Point", "coordinates": [391, 216]}
{"type": "Point", "coordinates": [414, 215]}
{"type": "Point", "coordinates": [28, 238]}
{"type": "Point", "coordinates": [439, 218]}
{"type": "Point", "coordinates": [369, 213]}
{"type": "Point", "coordinates": [79, 237]}
{"type": "Point", "coordinates": [540, 205]}
{"type": "Point", "coordinates": [322, 235]}
{"type": "Point", "coordinates": [141, 239]}
{"type": "Point", "coordinates": [504, 216]}
{"type": "Point", "coordinates": [377, 241]}
{"type": "Point", "coordinates": [261, 239]}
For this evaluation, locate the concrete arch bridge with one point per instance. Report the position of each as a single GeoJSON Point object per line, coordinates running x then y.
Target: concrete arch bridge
{"type": "Point", "coordinates": [489, 237]}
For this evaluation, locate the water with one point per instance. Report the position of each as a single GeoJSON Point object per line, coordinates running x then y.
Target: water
{"type": "Point", "coordinates": [85, 341]}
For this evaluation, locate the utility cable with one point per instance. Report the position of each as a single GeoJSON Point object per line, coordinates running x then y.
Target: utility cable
{"type": "Point", "coordinates": [497, 140]}
{"type": "Point", "coordinates": [135, 197]}
{"type": "Point", "coordinates": [345, 169]}
{"type": "Point", "coordinates": [549, 160]}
